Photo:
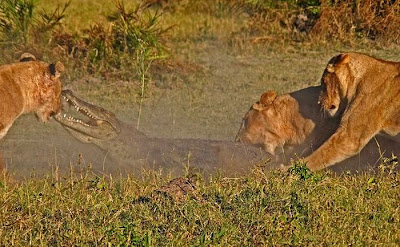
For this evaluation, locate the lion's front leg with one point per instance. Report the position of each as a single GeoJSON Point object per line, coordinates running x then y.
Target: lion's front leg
{"type": "Point", "coordinates": [348, 140]}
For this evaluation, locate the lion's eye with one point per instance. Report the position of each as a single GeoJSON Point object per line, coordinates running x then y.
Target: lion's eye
{"type": "Point", "coordinates": [332, 107]}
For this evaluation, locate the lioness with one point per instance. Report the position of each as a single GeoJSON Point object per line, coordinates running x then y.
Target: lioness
{"type": "Point", "coordinates": [289, 122]}
{"type": "Point", "coordinates": [28, 86]}
{"type": "Point", "coordinates": [365, 91]}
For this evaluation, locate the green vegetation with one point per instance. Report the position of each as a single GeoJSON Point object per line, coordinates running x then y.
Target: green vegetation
{"type": "Point", "coordinates": [259, 209]}
{"type": "Point", "coordinates": [19, 25]}
{"type": "Point", "coordinates": [192, 68]}
{"type": "Point", "coordinates": [106, 42]}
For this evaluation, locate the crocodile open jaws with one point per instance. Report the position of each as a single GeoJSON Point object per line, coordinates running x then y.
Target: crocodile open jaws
{"type": "Point", "coordinates": [133, 151]}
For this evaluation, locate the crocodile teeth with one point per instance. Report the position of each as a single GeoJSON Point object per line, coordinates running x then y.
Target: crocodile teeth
{"type": "Point", "coordinates": [83, 110]}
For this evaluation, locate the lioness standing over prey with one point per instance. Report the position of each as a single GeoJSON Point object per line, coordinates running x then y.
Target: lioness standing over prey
{"type": "Point", "coordinates": [365, 91]}
{"type": "Point", "coordinates": [28, 86]}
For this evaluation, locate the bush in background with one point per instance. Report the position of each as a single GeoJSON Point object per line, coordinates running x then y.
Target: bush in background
{"type": "Point", "coordinates": [128, 38]}
{"type": "Point", "coordinates": [21, 24]}
{"type": "Point", "coordinates": [328, 20]}
{"type": "Point", "coordinates": [341, 21]}
{"type": "Point", "coordinates": [125, 45]}
{"type": "Point", "coordinates": [347, 20]}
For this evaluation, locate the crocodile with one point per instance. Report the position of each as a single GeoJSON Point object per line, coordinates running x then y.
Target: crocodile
{"type": "Point", "coordinates": [132, 151]}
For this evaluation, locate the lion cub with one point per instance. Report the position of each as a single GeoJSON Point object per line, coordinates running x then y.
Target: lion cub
{"type": "Point", "coordinates": [28, 86]}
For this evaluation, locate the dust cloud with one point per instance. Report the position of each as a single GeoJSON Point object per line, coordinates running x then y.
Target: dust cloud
{"type": "Point", "coordinates": [49, 150]}
{"type": "Point", "coordinates": [42, 150]}
{"type": "Point", "coordinates": [33, 149]}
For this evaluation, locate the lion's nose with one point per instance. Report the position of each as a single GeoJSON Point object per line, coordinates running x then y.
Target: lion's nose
{"type": "Point", "coordinates": [52, 114]}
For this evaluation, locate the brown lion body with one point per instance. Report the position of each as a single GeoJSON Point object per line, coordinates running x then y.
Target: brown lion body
{"type": "Point", "coordinates": [25, 87]}
{"type": "Point", "coordinates": [365, 92]}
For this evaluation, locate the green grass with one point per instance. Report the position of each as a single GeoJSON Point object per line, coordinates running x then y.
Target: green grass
{"type": "Point", "coordinates": [271, 208]}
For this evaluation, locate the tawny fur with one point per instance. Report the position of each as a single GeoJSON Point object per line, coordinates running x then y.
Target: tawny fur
{"type": "Point", "coordinates": [26, 87]}
{"type": "Point", "coordinates": [286, 121]}
{"type": "Point", "coordinates": [365, 91]}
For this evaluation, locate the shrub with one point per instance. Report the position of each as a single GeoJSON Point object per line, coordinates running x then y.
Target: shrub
{"type": "Point", "coordinates": [20, 25]}
{"type": "Point", "coordinates": [328, 20]}
{"type": "Point", "coordinates": [347, 20]}
{"type": "Point", "coordinates": [129, 36]}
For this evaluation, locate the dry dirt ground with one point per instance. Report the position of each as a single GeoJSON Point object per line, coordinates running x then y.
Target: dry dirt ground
{"type": "Point", "coordinates": [206, 102]}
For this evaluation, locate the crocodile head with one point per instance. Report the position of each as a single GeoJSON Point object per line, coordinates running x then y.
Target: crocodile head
{"type": "Point", "coordinates": [86, 122]}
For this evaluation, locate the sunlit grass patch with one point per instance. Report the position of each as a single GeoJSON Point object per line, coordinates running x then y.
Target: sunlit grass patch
{"type": "Point", "coordinates": [271, 208]}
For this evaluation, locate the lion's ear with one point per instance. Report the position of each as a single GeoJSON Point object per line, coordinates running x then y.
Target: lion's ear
{"type": "Point", "coordinates": [337, 61]}
{"type": "Point", "coordinates": [267, 98]}
{"type": "Point", "coordinates": [56, 69]}
{"type": "Point", "coordinates": [257, 106]}
{"type": "Point", "coordinates": [344, 58]}
{"type": "Point", "coordinates": [25, 57]}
